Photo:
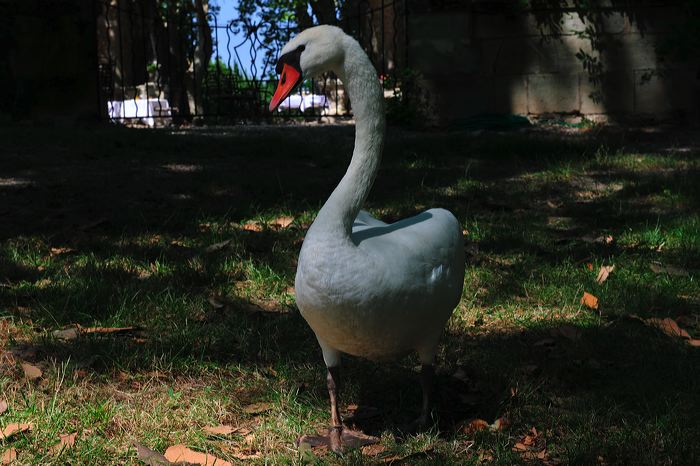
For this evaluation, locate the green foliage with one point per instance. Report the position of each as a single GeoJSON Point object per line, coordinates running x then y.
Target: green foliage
{"type": "Point", "coordinates": [402, 108]}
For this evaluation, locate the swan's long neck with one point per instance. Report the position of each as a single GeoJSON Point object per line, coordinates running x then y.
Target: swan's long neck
{"type": "Point", "coordinates": [365, 91]}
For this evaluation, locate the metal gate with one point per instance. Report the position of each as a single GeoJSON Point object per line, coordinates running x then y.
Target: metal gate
{"type": "Point", "coordinates": [162, 62]}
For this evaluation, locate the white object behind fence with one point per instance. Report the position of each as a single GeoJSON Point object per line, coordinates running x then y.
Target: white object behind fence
{"type": "Point", "coordinates": [147, 110]}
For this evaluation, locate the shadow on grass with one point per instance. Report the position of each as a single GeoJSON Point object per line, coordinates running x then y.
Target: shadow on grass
{"type": "Point", "coordinates": [139, 208]}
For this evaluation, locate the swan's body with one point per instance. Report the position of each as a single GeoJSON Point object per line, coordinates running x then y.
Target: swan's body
{"type": "Point", "coordinates": [386, 290]}
{"type": "Point", "coordinates": [365, 287]}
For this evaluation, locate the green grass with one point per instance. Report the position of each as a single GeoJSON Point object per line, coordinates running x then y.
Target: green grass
{"type": "Point", "coordinates": [111, 227]}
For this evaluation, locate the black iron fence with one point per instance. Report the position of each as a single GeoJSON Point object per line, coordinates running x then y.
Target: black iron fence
{"type": "Point", "coordinates": [163, 62]}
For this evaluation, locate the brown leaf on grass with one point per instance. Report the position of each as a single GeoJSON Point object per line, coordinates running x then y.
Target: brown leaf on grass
{"type": "Point", "coordinates": [602, 239]}
{"type": "Point", "coordinates": [253, 226]}
{"type": "Point", "coordinates": [14, 428]}
{"type": "Point", "coordinates": [3, 406]}
{"type": "Point", "coordinates": [519, 446]}
{"type": "Point", "coordinates": [69, 333]}
{"type": "Point", "coordinates": [31, 371]}
{"type": "Point", "coordinates": [150, 457]}
{"type": "Point", "coordinates": [668, 269]}
{"type": "Point", "coordinates": [589, 266]}
{"type": "Point", "coordinates": [221, 429]}
{"type": "Point", "coordinates": [67, 441]}
{"type": "Point", "coordinates": [603, 273]}
{"type": "Point", "coordinates": [245, 455]}
{"type": "Point", "coordinates": [373, 450]}
{"type": "Point", "coordinates": [73, 332]}
{"type": "Point", "coordinates": [217, 246]}
{"type": "Point", "coordinates": [8, 456]}
{"type": "Point", "coordinates": [182, 454]}
{"type": "Point", "coordinates": [282, 222]}
{"type": "Point", "coordinates": [668, 326]}
{"type": "Point", "coordinates": [257, 408]}
{"type": "Point", "coordinates": [59, 251]}
{"type": "Point", "coordinates": [474, 425]}
{"type": "Point", "coordinates": [107, 330]}
{"type": "Point", "coordinates": [589, 300]}
{"type": "Point", "coordinates": [500, 424]}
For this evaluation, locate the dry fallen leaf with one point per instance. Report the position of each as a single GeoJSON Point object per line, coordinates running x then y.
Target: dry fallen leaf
{"type": "Point", "coordinates": [589, 300]}
{"type": "Point", "coordinates": [31, 371]}
{"type": "Point", "coordinates": [150, 457]}
{"type": "Point", "coordinates": [59, 251]}
{"type": "Point", "coordinates": [182, 454]}
{"type": "Point", "coordinates": [282, 222]}
{"type": "Point", "coordinates": [475, 425]}
{"type": "Point", "coordinates": [67, 441]}
{"type": "Point", "coordinates": [219, 430]}
{"type": "Point", "coordinates": [589, 266]}
{"type": "Point", "coordinates": [602, 239]}
{"type": "Point", "coordinates": [605, 271]}
{"type": "Point", "coordinates": [373, 450]}
{"type": "Point", "coordinates": [217, 246]}
{"type": "Point", "coordinates": [107, 330]}
{"type": "Point", "coordinates": [74, 331]}
{"type": "Point", "coordinates": [3, 406]}
{"type": "Point", "coordinates": [245, 455]}
{"type": "Point", "coordinates": [8, 456]}
{"type": "Point", "coordinates": [253, 226]}
{"type": "Point", "coordinates": [70, 333]}
{"type": "Point", "coordinates": [257, 408]}
{"type": "Point", "coordinates": [502, 423]}
{"type": "Point", "coordinates": [14, 428]}
{"type": "Point", "coordinates": [669, 269]}
{"type": "Point", "coordinates": [668, 326]}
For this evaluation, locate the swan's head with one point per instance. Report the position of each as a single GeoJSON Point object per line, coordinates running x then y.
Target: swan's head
{"type": "Point", "coordinates": [312, 52]}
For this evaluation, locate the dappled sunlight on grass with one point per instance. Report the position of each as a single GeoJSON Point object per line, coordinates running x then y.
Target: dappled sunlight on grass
{"type": "Point", "coordinates": [192, 239]}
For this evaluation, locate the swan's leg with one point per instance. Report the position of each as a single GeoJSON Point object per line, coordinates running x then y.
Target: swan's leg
{"type": "Point", "coordinates": [333, 382]}
{"type": "Point", "coordinates": [426, 355]}
{"type": "Point", "coordinates": [427, 383]}
{"type": "Point", "coordinates": [339, 437]}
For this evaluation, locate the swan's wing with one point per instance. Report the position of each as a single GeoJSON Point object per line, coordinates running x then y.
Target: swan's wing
{"type": "Point", "coordinates": [365, 221]}
{"type": "Point", "coordinates": [417, 245]}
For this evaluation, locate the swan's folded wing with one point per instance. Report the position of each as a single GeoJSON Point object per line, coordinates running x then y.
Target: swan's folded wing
{"type": "Point", "coordinates": [364, 218]}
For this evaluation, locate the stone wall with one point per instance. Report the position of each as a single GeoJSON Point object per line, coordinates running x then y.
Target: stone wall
{"type": "Point", "coordinates": [474, 60]}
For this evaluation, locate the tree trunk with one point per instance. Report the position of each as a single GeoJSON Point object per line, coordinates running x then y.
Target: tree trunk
{"type": "Point", "coordinates": [324, 10]}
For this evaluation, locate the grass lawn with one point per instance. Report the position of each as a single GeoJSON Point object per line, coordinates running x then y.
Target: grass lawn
{"type": "Point", "coordinates": [184, 235]}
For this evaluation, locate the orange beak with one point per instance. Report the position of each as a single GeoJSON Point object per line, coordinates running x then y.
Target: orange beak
{"type": "Point", "coordinates": [289, 78]}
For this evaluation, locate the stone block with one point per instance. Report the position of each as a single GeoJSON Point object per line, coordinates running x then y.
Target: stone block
{"type": "Point", "coordinates": [440, 44]}
{"type": "Point", "coordinates": [674, 91]}
{"type": "Point", "coordinates": [614, 94]}
{"type": "Point", "coordinates": [630, 51]}
{"type": "Point", "coordinates": [456, 96]}
{"type": "Point", "coordinates": [553, 93]}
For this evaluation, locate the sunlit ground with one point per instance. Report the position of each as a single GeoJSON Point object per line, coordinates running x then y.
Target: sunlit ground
{"type": "Point", "coordinates": [185, 236]}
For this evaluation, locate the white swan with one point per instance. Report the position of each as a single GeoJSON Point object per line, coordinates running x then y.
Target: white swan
{"type": "Point", "coordinates": [368, 288]}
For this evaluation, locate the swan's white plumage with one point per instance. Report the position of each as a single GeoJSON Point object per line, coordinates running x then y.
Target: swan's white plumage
{"type": "Point", "coordinates": [365, 287]}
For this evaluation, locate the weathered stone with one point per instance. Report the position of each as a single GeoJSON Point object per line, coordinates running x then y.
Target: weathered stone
{"type": "Point", "coordinates": [439, 44]}
{"type": "Point", "coordinates": [614, 93]}
{"type": "Point", "coordinates": [673, 91]}
{"type": "Point", "coordinates": [553, 93]}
